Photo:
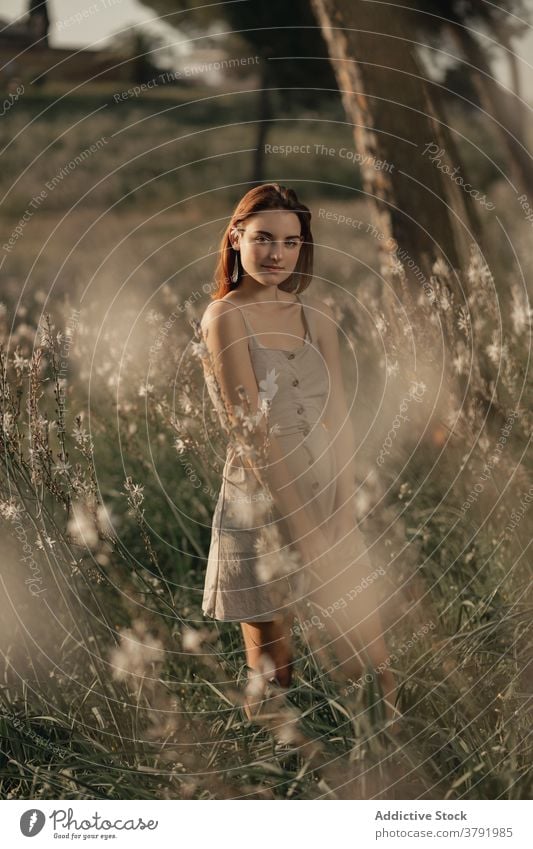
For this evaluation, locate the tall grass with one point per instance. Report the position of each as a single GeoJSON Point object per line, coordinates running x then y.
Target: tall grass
{"type": "Point", "coordinates": [113, 683]}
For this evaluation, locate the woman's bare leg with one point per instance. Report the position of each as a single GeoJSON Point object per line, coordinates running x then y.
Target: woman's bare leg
{"type": "Point", "coordinates": [273, 640]}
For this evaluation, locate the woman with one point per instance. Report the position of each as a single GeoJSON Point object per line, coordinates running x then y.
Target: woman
{"type": "Point", "coordinates": [284, 536]}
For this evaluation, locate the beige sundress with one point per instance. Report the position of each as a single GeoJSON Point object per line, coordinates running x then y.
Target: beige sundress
{"type": "Point", "coordinates": [239, 585]}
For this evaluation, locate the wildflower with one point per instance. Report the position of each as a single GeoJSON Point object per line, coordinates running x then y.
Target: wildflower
{"type": "Point", "coordinates": [137, 651]}
{"type": "Point", "coordinates": [259, 677]}
{"type": "Point", "coordinates": [494, 351]}
{"type": "Point", "coordinates": [405, 489]}
{"type": "Point", "coordinates": [199, 349]}
{"type": "Point", "coordinates": [193, 638]}
{"type": "Point", "coordinates": [136, 492]}
{"type": "Point", "coordinates": [521, 313]}
{"type": "Point", "coordinates": [44, 538]}
{"type": "Point", "coordinates": [145, 389]}
{"type": "Point", "coordinates": [460, 361]}
{"type": "Point", "coordinates": [445, 303]}
{"type": "Point", "coordinates": [440, 268]}
{"type": "Point", "coordinates": [452, 417]}
{"type": "Point", "coordinates": [11, 510]}
{"type": "Point", "coordinates": [273, 562]}
{"type": "Point", "coordinates": [484, 443]}
{"type": "Point", "coordinates": [268, 387]}
{"type": "Point", "coordinates": [463, 322]}
{"type": "Point", "coordinates": [247, 510]}
{"type": "Point", "coordinates": [81, 526]}
{"type": "Point", "coordinates": [392, 368]}
{"type": "Point", "coordinates": [180, 445]}
{"type": "Point", "coordinates": [62, 467]}
{"type": "Point", "coordinates": [20, 363]}
{"type": "Point", "coordinates": [361, 503]}
{"type": "Point", "coordinates": [287, 731]}
{"type": "Point", "coordinates": [153, 317]}
{"type": "Point", "coordinates": [381, 325]}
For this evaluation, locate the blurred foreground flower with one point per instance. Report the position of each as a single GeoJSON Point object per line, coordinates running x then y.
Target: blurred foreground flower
{"type": "Point", "coordinates": [138, 651]}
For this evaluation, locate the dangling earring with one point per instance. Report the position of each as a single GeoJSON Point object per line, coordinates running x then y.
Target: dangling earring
{"type": "Point", "coordinates": [235, 272]}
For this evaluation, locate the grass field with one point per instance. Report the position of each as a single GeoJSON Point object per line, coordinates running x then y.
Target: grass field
{"type": "Point", "coordinates": [114, 686]}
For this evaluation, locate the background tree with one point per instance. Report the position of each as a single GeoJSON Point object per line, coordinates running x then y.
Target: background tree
{"type": "Point", "coordinates": [39, 21]}
{"type": "Point", "coordinates": [460, 21]}
{"type": "Point", "coordinates": [389, 103]}
{"type": "Point", "coordinates": [284, 35]}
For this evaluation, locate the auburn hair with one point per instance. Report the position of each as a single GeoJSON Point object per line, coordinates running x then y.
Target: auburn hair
{"type": "Point", "coordinates": [260, 199]}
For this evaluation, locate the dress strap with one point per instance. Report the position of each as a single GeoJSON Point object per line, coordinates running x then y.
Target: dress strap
{"type": "Point", "coordinates": [306, 319]}
{"type": "Point", "coordinates": [251, 334]}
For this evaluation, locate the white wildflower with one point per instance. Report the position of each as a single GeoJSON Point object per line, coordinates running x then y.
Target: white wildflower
{"type": "Point", "coordinates": [460, 361]}
{"type": "Point", "coordinates": [381, 325]}
{"type": "Point", "coordinates": [137, 651]}
{"type": "Point", "coordinates": [145, 389]}
{"type": "Point", "coordinates": [392, 368]}
{"type": "Point", "coordinates": [136, 492]}
{"type": "Point", "coordinates": [494, 351]}
{"type": "Point", "coordinates": [20, 363]}
{"type": "Point", "coordinates": [199, 349]}
{"type": "Point", "coordinates": [484, 443]}
{"type": "Point", "coordinates": [180, 445]}
{"type": "Point", "coordinates": [440, 268]}
{"type": "Point", "coordinates": [463, 322]}
{"type": "Point", "coordinates": [259, 677]}
{"type": "Point", "coordinates": [44, 538]}
{"type": "Point", "coordinates": [521, 313]}
{"type": "Point", "coordinates": [11, 510]}
{"type": "Point", "coordinates": [62, 467]}
{"type": "Point", "coordinates": [153, 317]}
{"type": "Point", "coordinates": [192, 639]}
{"type": "Point", "coordinates": [361, 503]}
{"type": "Point", "coordinates": [81, 526]}
{"type": "Point", "coordinates": [269, 386]}
{"type": "Point", "coordinates": [451, 417]}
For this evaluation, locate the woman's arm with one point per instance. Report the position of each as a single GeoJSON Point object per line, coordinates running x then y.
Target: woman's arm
{"type": "Point", "coordinates": [225, 337]}
{"type": "Point", "coordinates": [337, 416]}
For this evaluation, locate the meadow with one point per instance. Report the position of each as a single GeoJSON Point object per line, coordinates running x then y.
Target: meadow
{"type": "Point", "coordinates": [113, 684]}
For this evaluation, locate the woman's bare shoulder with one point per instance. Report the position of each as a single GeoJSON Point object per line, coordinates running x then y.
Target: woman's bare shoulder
{"type": "Point", "coordinates": [222, 311]}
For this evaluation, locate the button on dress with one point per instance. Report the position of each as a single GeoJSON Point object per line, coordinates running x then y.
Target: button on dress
{"type": "Point", "coordinates": [238, 586]}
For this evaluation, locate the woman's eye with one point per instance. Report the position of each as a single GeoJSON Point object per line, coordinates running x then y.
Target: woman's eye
{"type": "Point", "coordinates": [290, 244]}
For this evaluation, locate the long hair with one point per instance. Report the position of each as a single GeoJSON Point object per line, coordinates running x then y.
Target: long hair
{"type": "Point", "coordinates": [259, 199]}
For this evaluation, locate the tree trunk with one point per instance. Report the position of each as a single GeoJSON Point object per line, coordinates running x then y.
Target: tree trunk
{"type": "Point", "coordinates": [497, 105]}
{"type": "Point", "coordinates": [264, 117]}
{"type": "Point", "coordinates": [385, 97]}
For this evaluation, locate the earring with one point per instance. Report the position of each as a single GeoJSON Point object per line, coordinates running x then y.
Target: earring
{"type": "Point", "coordinates": [235, 272]}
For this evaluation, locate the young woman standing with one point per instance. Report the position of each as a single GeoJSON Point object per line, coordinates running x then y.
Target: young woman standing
{"type": "Point", "coordinates": [273, 371]}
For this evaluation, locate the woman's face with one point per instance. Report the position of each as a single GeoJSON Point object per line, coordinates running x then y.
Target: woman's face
{"type": "Point", "coordinates": [269, 245]}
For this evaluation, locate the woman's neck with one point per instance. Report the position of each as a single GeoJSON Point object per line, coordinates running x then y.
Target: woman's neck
{"type": "Point", "coordinates": [254, 291]}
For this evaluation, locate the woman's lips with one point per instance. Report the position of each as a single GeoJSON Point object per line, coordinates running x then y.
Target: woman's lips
{"type": "Point", "coordinates": [273, 267]}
